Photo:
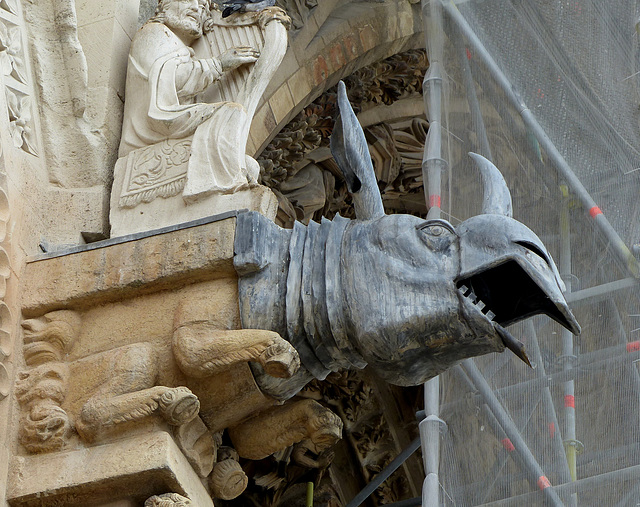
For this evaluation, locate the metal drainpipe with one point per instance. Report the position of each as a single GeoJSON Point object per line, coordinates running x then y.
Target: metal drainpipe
{"type": "Point", "coordinates": [432, 166]}
{"type": "Point", "coordinates": [572, 445]}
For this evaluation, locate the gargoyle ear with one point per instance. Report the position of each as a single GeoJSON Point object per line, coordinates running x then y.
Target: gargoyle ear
{"type": "Point", "coordinates": [497, 198]}
{"type": "Point", "coordinates": [351, 153]}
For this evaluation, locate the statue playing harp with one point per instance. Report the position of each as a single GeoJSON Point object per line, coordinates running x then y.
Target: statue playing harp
{"type": "Point", "coordinates": [193, 84]}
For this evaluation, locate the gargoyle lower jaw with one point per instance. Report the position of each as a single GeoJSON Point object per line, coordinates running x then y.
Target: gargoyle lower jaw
{"type": "Point", "coordinates": [514, 290]}
{"type": "Point", "coordinates": [514, 345]}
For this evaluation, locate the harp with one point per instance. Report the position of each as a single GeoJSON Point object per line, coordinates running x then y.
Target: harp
{"type": "Point", "coordinates": [266, 31]}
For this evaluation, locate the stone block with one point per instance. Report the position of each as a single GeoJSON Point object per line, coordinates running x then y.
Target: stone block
{"type": "Point", "coordinates": [132, 469]}
{"type": "Point", "coordinates": [281, 103]}
{"type": "Point", "coordinates": [300, 85]}
{"type": "Point", "coordinates": [110, 270]}
{"type": "Point", "coordinates": [169, 211]}
{"type": "Point", "coordinates": [262, 126]}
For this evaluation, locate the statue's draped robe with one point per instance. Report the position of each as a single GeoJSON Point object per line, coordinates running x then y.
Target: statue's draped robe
{"type": "Point", "coordinates": [163, 78]}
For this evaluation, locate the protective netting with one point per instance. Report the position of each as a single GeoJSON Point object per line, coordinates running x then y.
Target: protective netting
{"type": "Point", "coordinates": [565, 432]}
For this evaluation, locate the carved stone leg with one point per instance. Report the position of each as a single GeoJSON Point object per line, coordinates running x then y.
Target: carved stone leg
{"type": "Point", "coordinates": [280, 427]}
{"type": "Point", "coordinates": [198, 444]}
{"type": "Point", "coordinates": [201, 350]}
{"type": "Point", "coordinates": [130, 395]}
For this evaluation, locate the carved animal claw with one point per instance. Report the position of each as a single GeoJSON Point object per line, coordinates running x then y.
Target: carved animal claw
{"type": "Point", "coordinates": [280, 360]}
{"type": "Point", "coordinates": [179, 405]}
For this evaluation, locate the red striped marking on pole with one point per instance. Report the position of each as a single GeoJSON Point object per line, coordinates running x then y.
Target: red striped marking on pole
{"type": "Point", "coordinates": [633, 346]}
{"type": "Point", "coordinates": [595, 211]}
{"type": "Point", "coordinates": [508, 445]}
{"type": "Point", "coordinates": [434, 201]}
{"type": "Point", "coordinates": [543, 482]}
{"type": "Point", "coordinates": [569, 401]}
{"type": "Point", "coordinates": [468, 54]}
{"type": "Point", "coordinates": [552, 429]}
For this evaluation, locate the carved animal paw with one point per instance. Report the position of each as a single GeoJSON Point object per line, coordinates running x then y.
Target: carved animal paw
{"type": "Point", "coordinates": [178, 405]}
{"type": "Point", "coordinates": [228, 480]}
{"type": "Point", "coordinates": [280, 360]}
{"type": "Point", "coordinates": [168, 500]}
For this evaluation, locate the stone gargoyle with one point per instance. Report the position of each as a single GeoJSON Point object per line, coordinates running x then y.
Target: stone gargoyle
{"type": "Point", "coordinates": [406, 296]}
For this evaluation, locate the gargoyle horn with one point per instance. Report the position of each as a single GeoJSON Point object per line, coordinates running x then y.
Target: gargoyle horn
{"type": "Point", "coordinates": [351, 153]}
{"type": "Point", "coordinates": [497, 198]}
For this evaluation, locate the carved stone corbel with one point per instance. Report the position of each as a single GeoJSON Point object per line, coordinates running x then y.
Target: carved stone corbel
{"type": "Point", "coordinates": [202, 348]}
{"type": "Point", "coordinates": [228, 480]}
{"type": "Point", "coordinates": [41, 389]}
{"type": "Point", "coordinates": [130, 394]}
{"type": "Point", "coordinates": [281, 427]}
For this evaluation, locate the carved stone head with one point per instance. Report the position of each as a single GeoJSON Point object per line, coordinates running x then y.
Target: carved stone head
{"type": "Point", "coordinates": [184, 17]}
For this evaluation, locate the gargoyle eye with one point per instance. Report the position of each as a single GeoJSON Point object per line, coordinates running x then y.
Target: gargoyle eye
{"type": "Point", "coordinates": [535, 249]}
{"type": "Point", "coordinates": [436, 227]}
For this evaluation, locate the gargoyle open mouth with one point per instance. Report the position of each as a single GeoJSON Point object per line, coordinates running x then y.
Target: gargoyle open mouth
{"type": "Point", "coordinates": [508, 293]}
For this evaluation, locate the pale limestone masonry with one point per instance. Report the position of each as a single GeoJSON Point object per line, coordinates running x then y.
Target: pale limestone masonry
{"type": "Point", "coordinates": [63, 79]}
{"type": "Point", "coordinates": [152, 313]}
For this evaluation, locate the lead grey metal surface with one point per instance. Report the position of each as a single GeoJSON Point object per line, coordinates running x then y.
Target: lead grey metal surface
{"type": "Point", "coordinates": [407, 296]}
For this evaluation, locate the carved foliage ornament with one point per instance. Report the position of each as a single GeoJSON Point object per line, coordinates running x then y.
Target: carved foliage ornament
{"type": "Point", "coordinates": [6, 319]}
{"type": "Point", "coordinates": [307, 181]}
{"type": "Point", "coordinates": [13, 68]}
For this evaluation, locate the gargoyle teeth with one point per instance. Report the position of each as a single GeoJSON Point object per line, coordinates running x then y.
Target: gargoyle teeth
{"type": "Point", "coordinates": [477, 302]}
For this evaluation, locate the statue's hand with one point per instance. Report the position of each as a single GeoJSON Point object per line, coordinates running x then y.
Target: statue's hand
{"type": "Point", "coordinates": [234, 57]}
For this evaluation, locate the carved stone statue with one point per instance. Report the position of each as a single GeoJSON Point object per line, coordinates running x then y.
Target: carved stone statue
{"type": "Point", "coordinates": [190, 99]}
{"type": "Point", "coordinates": [42, 388]}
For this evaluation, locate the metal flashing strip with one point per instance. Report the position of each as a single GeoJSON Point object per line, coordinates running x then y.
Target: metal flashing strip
{"type": "Point", "coordinates": [136, 236]}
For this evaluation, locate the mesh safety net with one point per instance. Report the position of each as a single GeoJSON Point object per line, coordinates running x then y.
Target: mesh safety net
{"type": "Point", "coordinates": [548, 90]}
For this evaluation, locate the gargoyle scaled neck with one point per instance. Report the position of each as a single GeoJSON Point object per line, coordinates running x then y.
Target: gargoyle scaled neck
{"type": "Point", "coordinates": [289, 281]}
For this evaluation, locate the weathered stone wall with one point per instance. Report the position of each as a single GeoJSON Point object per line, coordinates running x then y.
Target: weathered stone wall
{"type": "Point", "coordinates": [63, 80]}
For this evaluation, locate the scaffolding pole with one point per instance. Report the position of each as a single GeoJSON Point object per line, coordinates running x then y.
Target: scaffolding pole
{"type": "Point", "coordinates": [547, 399]}
{"type": "Point", "coordinates": [535, 474]}
{"type": "Point", "coordinates": [483, 491]}
{"type": "Point", "coordinates": [572, 445]}
{"type": "Point", "coordinates": [564, 170]}
{"type": "Point", "coordinates": [592, 360]}
{"type": "Point", "coordinates": [433, 163]}
{"type": "Point", "coordinates": [631, 473]}
{"type": "Point", "coordinates": [385, 474]}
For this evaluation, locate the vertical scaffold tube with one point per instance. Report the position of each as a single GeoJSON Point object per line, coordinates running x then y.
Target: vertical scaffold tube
{"type": "Point", "coordinates": [570, 442]}
{"type": "Point", "coordinates": [432, 166]}
{"type": "Point", "coordinates": [535, 474]}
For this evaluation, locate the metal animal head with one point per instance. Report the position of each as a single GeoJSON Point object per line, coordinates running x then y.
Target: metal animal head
{"type": "Point", "coordinates": [472, 280]}
{"type": "Point", "coordinates": [407, 296]}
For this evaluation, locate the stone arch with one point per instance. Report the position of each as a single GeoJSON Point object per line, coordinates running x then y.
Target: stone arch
{"type": "Point", "coordinates": [387, 95]}
{"type": "Point", "coordinates": [331, 45]}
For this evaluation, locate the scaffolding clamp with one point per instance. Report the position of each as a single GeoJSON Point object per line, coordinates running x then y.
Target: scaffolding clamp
{"type": "Point", "coordinates": [576, 444]}
{"type": "Point", "coordinates": [434, 420]}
